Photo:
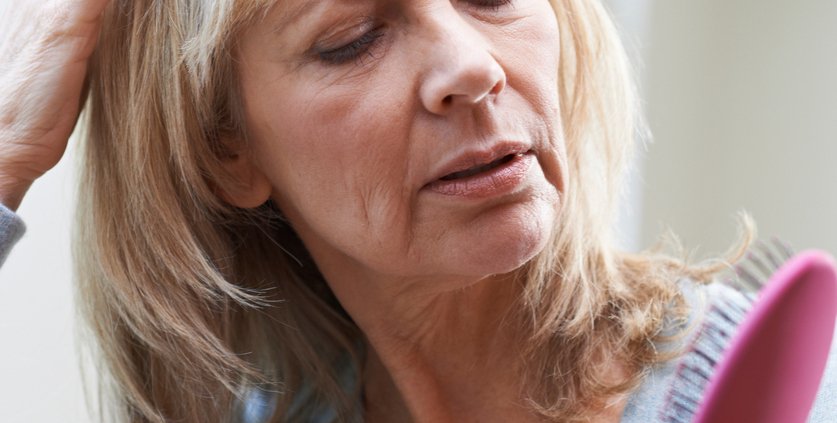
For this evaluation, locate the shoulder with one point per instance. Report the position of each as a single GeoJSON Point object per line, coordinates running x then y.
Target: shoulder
{"type": "Point", "coordinates": [653, 394]}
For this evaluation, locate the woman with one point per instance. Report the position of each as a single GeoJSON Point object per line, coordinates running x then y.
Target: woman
{"type": "Point", "coordinates": [367, 210]}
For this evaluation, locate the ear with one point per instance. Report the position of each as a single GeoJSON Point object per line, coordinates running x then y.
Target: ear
{"type": "Point", "coordinates": [247, 187]}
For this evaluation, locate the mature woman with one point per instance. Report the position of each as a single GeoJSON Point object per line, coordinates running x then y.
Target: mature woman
{"type": "Point", "coordinates": [378, 210]}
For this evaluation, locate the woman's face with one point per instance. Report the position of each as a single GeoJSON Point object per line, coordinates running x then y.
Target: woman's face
{"type": "Point", "coordinates": [408, 138]}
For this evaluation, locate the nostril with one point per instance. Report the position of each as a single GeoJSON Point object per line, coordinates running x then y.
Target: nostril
{"type": "Point", "coordinates": [447, 100]}
{"type": "Point", "coordinates": [498, 87]}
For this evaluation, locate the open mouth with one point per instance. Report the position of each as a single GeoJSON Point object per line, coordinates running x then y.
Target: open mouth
{"type": "Point", "coordinates": [480, 169]}
{"type": "Point", "coordinates": [476, 176]}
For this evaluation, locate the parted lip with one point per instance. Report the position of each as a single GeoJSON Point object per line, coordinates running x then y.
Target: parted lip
{"type": "Point", "coordinates": [479, 157]}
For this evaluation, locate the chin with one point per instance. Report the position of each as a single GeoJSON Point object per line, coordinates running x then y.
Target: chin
{"type": "Point", "coordinates": [506, 241]}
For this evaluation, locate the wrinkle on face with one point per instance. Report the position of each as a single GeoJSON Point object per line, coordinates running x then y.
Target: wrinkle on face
{"type": "Point", "coordinates": [349, 148]}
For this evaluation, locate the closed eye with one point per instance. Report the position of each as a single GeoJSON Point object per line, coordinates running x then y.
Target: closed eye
{"type": "Point", "coordinates": [353, 51]}
{"type": "Point", "coordinates": [493, 5]}
{"type": "Point", "coordinates": [360, 47]}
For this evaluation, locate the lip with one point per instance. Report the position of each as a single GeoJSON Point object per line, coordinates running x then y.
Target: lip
{"type": "Point", "coordinates": [515, 160]}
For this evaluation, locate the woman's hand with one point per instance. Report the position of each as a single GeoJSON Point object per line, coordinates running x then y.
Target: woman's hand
{"type": "Point", "coordinates": [45, 47]}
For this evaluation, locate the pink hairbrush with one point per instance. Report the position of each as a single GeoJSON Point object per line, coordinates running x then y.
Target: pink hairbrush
{"type": "Point", "coordinates": [772, 362]}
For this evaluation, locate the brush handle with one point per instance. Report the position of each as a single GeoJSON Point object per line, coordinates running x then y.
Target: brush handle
{"type": "Point", "coordinates": [772, 369]}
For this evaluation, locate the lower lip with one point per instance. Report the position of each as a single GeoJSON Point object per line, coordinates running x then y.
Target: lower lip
{"type": "Point", "coordinates": [501, 180]}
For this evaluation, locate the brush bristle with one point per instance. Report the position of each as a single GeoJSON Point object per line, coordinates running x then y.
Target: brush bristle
{"type": "Point", "coordinates": [697, 365]}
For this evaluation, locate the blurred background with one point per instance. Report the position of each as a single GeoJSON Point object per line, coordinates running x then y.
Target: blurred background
{"type": "Point", "coordinates": [741, 97]}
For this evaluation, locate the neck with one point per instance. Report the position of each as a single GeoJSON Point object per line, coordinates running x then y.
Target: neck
{"type": "Point", "coordinates": [438, 356]}
{"type": "Point", "coordinates": [440, 349]}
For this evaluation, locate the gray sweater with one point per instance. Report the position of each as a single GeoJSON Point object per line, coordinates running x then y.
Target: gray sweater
{"type": "Point", "coordinates": [11, 229]}
{"type": "Point", "coordinates": [644, 405]}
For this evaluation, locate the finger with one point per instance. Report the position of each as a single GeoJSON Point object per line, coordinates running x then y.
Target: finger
{"type": "Point", "coordinates": [72, 26]}
{"type": "Point", "coordinates": [80, 11]}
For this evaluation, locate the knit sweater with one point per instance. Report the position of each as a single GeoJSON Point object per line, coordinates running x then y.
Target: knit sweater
{"type": "Point", "coordinates": [645, 405]}
{"type": "Point", "coordinates": [11, 229]}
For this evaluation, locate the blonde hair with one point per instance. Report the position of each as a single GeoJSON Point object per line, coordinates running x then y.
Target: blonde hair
{"type": "Point", "coordinates": [191, 303]}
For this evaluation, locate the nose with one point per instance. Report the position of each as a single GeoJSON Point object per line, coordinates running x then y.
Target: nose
{"type": "Point", "coordinates": [460, 68]}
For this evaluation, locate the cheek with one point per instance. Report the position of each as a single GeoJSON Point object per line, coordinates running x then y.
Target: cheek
{"type": "Point", "coordinates": [535, 51]}
{"type": "Point", "coordinates": [540, 44]}
{"type": "Point", "coordinates": [339, 159]}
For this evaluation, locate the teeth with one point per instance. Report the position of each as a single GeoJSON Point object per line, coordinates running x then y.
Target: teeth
{"type": "Point", "coordinates": [479, 169]}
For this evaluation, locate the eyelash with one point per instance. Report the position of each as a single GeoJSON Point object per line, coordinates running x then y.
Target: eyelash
{"type": "Point", "coordinates": [356, 49]}
{"type": "Point", "coordinates": [352, 51]}
{"type": "Point", "coordinates": [494, 5]}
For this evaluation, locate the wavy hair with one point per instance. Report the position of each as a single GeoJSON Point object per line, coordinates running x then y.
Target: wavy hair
{"type": "Point", "coordinates": [192, 305]}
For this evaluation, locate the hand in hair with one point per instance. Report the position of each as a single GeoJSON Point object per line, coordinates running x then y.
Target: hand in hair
{"type": "Point", "coordinates": [44, 52]}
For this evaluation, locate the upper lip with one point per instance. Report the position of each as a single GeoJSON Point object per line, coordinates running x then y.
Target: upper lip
{"type": "Point", "coordinates": [480, 157]}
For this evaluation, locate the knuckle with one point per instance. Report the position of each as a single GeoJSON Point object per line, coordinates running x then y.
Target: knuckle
{"type": "Point", "coordinates": [62, 22]}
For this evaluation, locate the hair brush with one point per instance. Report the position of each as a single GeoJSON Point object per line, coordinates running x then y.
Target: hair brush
{"type": "Point", "coordinates": [773, 343]}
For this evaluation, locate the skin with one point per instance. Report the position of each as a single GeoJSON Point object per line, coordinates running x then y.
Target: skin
{"type": "Point", "coordinates": [346, 149]}
{"type": "Point", "coordinates": [45, 50]}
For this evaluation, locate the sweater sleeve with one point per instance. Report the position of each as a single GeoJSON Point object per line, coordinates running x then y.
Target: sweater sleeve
{"type": "Point", "coordinates": [11, 229]}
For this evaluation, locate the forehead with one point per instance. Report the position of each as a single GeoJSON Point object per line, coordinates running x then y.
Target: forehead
{"type": "Point", "coordinates": [287, 12]}
{"type": "Point", "coordinates": [284, 12]}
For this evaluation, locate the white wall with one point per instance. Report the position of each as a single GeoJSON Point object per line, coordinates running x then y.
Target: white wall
{"type": "Point", "coordinates": [742, 99]}
{"type": "Point", "coordinates": [39, 372]}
